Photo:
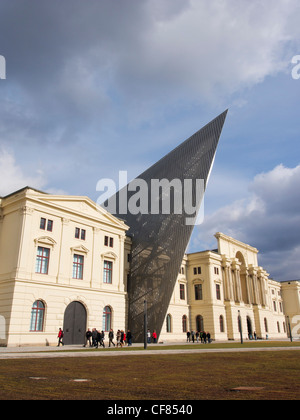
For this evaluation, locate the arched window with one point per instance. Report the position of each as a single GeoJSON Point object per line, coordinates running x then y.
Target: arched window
{"type": "Point", "coordinates": [184, 323]}
{"type": "Point", "coordinates": [266, 325]}
{"type": "Point", "coordinates": [221, 324]}
{"type": "Point", "coordinates": [37, 316]}
{"type": "Point", "coordinates": [107, 318]}
{"type": "Point", "coordinates": [199, 323]}
{"type": "Point", "coordinates": [169, 323]}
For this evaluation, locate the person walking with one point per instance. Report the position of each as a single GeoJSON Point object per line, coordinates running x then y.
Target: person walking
{"type": "Point", "coordinates": [88, 338]}
{"type": "Point", "coordinates": [154, 336]}
{"type": "Point", "coordinates": [129, 338]}
{"type": "Point", "coordinates": [60, 337]}
{"type": "Point", "coordinates": [148, 337]}
{"type": "Point", "coordinates": [111, 337]}
{"type": "Point", "coordinates": [119, 339]}
{"type": "Point", "coordinates": [102, 336]}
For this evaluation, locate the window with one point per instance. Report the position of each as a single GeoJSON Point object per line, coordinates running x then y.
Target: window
{"type": "Point", "coordinates": [182, 292]}
{"type": "Point", "coordinates": [181, 271]}
{"type": "Point", "coordinates": [108, 241]}
{"type": "Point", "coordinates": [169, 323]}
{"type": "Point", "coordinates": [216, 270]}
{"type": "Point", "coordinates": [218, 291]}
{"type": "Point", "coordinates": [221, 324]}
{"type": "Point", "coordinates": [80, 234]}
{"type": "Point", "coordinates": [198, 292]}
{"type": "Point", "coordinates": [197, 270]}
{"type": "Point", "coordinates": [184, 323]}
{"type": "Point", "coordinates": [44, 223]}
{"type": "Point", "coordinates": [50, 225]}
{"type": "Point", "coordinates": [106, 323]}
{"type": "Point", "coordinates": [42, 260]}
{"type": "Point", "coordinates": [37, 316]}
{"type": "Point", "coordinates": [199, 323]}
{"type": "Point", "coordinates": [274, 305]}
{"type": "Point", "coordinates": [266, 325]}
{"type": "Point", "coordinates": [107, 272]}
{"type": "Point", "coordinates": [78, 262]}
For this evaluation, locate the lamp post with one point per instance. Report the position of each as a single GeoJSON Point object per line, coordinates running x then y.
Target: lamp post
{"type": "Point", "coordinates": [240, 327]}
{"type": "Point", "coordinates": [145, 325]}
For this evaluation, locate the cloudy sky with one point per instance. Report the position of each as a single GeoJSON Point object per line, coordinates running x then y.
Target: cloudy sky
{"type": "Point", "coordinates": [95, 87]}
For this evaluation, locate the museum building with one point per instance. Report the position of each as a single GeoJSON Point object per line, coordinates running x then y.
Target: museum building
{"type": "Point", "coordinates": [65, 263]}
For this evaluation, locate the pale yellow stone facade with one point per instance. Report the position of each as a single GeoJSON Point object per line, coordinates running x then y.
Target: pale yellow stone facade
{"type": "Point", "coordinates": [22, 281]}
{"type": "Point", "coordinates": [58, 250]}
{"type": "Point", "coordinates": [223, 285]}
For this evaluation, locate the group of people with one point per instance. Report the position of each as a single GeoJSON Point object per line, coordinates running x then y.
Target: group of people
{"type": "Point", "coordinates": [152, 337]}
{"type": "Point", "coordinates": [198, 335]}
{"type": "Point", "coordinates": [95, 338]}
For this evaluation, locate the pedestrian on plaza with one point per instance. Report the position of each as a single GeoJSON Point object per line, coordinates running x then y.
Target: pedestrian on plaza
{"type": "Point", "coordinates": [119, 339]}
{"type": "Point", "coordinates": [204, 337]}
{"type": "Point", "coordinates": [111, 337]}
{"type": "Point", "coordinates": [148, 336]}
{"type": "Point", "coordinates": [102, 337]}
{"type": "Point", "coordinates": [95, 338]}
{"type": "Point", "coordinates": [197, 336]}
{"type": "Point", "coordinates": [129, 338]}
{"type": "Point", "coordinates": [154, 336]}
{"type": "Point", "coordinates": [60, 337]}
{"type": "Point", "coordinates": [88, 338]}
{"type": "Point", "coordinates": [208, 337]}
{"type": "Point", "coordinates": [193, 336]}
{"type": "Point", "coordinates": [188, 337]}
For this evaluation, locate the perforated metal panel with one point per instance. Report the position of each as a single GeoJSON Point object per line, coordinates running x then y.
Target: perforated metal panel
{"type": "Point", "coordinates": [159, 241]}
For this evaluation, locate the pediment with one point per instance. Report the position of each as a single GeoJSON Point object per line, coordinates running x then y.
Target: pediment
{"type": "Point", "coordinates": [83, 206]}
{"type": "Point", "coordinates": [80, 248]}
{"type": "Point", "coordinates": [45, 240]}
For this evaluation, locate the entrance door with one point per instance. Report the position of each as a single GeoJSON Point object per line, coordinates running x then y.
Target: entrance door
{"type": "Point", "coordinates": [74, 324]}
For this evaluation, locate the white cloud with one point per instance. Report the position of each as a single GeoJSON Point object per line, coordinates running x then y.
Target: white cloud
{"type": "Point", "coordinates": [12, 178]}
{"type": "Point", "coordinates": [268, 218]}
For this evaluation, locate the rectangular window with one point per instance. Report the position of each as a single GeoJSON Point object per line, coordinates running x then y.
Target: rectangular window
{"type": "Point", "coordinates": [108, 241]}
{"type": "Point", "coordinates": [218, 290]}
{"type": "Point", "coordinates": [80, 234]}
{"type": "Point", "coordinates": [107, 273]}
{"type": "Point", "coordinates": [197, 270]}
{"type": "Point", "coordinates": [182, 292]}
{"type": "Point", "coordinates": [42, 260]}
{"type": "Point", "coordinates": [216, 269]}
{"type": "Point", "coordinates": [50, 225]}
{"type": "Point", "coordinates": [43, 223]}
{"type": "Point", "coordinates": [198, 292]}
{"type": "Point", "coordinates": [78, 262]}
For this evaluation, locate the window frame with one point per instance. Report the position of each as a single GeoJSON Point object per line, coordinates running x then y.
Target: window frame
{"type": "Point", "coordinates": [41, 260]}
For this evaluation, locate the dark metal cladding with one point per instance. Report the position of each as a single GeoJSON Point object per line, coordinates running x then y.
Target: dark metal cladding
{"type": "Point", "coordinates": [159, 241]}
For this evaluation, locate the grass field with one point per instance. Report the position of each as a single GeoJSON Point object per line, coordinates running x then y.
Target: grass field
{"type": "Point", "coordinates": [155, 377]}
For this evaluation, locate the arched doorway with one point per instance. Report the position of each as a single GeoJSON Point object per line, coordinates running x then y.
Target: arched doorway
{"type": "Point", "coordinates": [74, 324]}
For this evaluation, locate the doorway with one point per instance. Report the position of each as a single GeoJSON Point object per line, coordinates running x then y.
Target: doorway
{"type": "Point", "coordinates": [74, 324]}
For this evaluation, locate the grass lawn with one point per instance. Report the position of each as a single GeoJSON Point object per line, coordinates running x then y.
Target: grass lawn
{"type": "Point", "coordinates": [155, 377]}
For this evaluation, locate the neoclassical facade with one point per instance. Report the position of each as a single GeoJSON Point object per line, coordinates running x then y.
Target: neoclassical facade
{"type": "Point", "coordinates": [217, 287]}
{"type": "Point", "coordinates": [65, 263]}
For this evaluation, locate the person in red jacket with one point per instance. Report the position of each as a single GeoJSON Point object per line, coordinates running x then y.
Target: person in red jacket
{"type": "Point", "coordinates": [60, 337]}
{"type": "Point", "coordinates": [154, 337]}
